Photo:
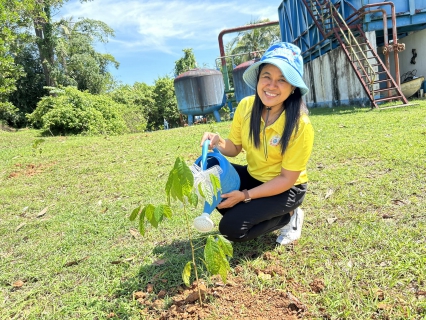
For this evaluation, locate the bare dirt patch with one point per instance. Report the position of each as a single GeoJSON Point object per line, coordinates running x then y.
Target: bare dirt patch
{"type": "Point", "coordinates": [28, 170]}
{"type": "Point", "coordinates": [234, 300]}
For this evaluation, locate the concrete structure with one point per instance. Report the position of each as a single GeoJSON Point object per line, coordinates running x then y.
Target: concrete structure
{"type": "Point", "coordinates": [328, 74]}
{"type": "Point", "coordinates": [332, 81]}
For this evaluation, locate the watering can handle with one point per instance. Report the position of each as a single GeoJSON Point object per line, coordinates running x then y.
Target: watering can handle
{"type": "Point", "coordinates": [205, 150]}
{"type": "Point", "coordinates": [204, 154]}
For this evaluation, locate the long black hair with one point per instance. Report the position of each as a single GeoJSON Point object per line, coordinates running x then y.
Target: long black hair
{"type": "Point", "coordinates": [294, 107]}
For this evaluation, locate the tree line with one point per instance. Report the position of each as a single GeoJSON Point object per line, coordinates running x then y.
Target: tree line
{"type": "Point", "coordinates": [52, 78]}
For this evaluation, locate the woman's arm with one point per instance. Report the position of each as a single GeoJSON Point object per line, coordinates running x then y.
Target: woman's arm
{"type": "Point", "coordinates": [225, 146]}
{"type": "Point", "coordinates": [277, 185]}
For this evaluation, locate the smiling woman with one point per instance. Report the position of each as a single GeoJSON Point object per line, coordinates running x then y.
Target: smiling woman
{"type": "Point", "coordinates": [274, 130]}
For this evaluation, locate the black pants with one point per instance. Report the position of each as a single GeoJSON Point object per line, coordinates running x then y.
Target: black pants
{"type": "Point", "coordinates": [246, 221]}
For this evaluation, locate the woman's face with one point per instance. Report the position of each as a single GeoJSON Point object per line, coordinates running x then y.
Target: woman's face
{"type": "Point", "coordinates": [272, 87]}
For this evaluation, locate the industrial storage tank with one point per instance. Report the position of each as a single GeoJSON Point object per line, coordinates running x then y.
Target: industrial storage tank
{"type": "Point", "coordinates": [200, 92]}
{"type": "Point", "coordinates": [241, 89]}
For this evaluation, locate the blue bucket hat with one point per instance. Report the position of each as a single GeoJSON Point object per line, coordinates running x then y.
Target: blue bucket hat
{"type": "Point", "coordinates": [286, 57]}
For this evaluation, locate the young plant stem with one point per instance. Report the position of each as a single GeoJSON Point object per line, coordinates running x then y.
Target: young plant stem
{"type": "Point", "coordinates": [188, 227]}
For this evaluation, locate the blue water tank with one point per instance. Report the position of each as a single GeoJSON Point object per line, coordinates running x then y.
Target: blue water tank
{"type": "Point", "coordinates": [200, 92]}
{"type": "Point", "coordinates": [241, 89]}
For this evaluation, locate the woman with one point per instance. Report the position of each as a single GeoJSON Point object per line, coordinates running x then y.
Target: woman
{"type": "Point", "coordinates": [274, 130]}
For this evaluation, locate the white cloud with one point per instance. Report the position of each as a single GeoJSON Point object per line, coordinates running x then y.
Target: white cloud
{"type": "Point", "coordinates": [164, 26]}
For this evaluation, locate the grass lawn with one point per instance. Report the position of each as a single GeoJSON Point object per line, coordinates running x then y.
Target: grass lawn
{"type": "Point", "coordinates": [68, 249]}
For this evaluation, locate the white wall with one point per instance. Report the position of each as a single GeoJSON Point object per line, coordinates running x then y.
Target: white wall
{"type": "Point", "coordinates": [416, 40]}
{"type": "Point", "coordinates": [332, 81]}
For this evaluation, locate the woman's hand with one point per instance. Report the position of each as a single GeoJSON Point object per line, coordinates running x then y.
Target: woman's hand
{"type": "Point", "coordinates": [213, 137]}
{"type": "Point", "coordinates": [231, 199]}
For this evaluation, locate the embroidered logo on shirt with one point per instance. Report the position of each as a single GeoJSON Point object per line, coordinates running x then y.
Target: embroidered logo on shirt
{"type": "Point", "coordinates": [275, 140]}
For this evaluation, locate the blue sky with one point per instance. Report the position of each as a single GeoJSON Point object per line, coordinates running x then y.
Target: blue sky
{"type": "Point", "coordinates": [151, 34]}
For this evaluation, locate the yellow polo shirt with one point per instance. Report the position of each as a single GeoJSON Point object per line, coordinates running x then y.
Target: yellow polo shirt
{"type": "Point", "coordinates": [295, 157]}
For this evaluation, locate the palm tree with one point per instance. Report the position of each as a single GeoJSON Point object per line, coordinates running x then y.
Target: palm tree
{"type": "Point", "coordinates": [252, 43]}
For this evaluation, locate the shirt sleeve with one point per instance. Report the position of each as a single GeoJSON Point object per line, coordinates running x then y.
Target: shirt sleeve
{"type": "Point", "coordinates": [300, 146]}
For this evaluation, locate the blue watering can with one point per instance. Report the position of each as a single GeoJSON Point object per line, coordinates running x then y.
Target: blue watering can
{"type": "Point", "coordinates": [229, 181]}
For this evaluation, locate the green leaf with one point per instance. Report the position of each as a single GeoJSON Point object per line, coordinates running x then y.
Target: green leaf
{"type": "Point", "coordinates": [142, 222]}
{"type": "Point", "coordinates": [193, 199]}
{"type": "Point", "coordinates": [158, 213]}
{"type": "Point", "coordinates": [169, 185]}
{"type": "Point", "coordinates": [200, 190]}
{"type": "Point", "coordinates": [186, 273]}
{"type": "Point", "coordinates": [186, 178]}
{"type": "Point", "coordinates": [207, 191]}
{"type": "Point", "coordinates": [167, 211]}
{"type": "Point", "coordinates": [135, 213]}
{"type": "Point", "coordinates": [223, 272]}
{"type": "Point", "coordinates": [150, 216]}
{"type": "Point", "coordinates": [225, 245]}
{"type": "Point", "coordinates": [215, 183]}
{"type": "Point", "coordinates": [176, 191]}
{"type": "Point", "coordinates": [214, 256]}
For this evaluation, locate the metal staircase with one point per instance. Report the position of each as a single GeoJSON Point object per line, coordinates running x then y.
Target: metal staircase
{"type": "Point", "coordinates": [364, 60]}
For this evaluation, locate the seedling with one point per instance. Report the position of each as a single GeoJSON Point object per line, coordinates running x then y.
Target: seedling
{"type": "Point", "coordinates": [180, 186]}
{"type": "Point", "coordinates": [36, 146]}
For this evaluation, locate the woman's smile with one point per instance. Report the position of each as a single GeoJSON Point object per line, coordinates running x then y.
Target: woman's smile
{"type": "Point", "coordinates": [272, 88]}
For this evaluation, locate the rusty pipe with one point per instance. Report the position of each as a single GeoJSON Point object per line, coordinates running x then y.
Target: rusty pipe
{"type": "Point", "coordinates": [237, 29]}
{"type": "Point", "coordinates": [385, 36]}
{"type": "Point", "coordinates": [394, 36]}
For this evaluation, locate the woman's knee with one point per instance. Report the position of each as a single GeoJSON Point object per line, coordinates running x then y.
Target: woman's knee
{"type": "Point", "coordinates": [231, 231]}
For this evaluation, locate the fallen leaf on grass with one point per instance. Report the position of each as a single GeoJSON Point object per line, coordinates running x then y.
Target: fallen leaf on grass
{"type": "Point", "coordinates": [20, 226]}
{"type": "Point", "coordinates": [18, 284]}
{"type": "Point", "coordinates": [399, 202]}
{"type": "Point", "coordinates": [420, 293]}
{"type": "Point", "coordinates": [42, 212]}
{"type": "Point", "coordinates": [121, 261]}
{"type": "Point", "coordinates": [329, 193]}
{"type": "Point", "coordinates": [331, 220]}
{"type": "Point", "coordinates": [380, 295]}
{"type": "Point", "coordinates": [135, 233]}
{"type": "Point", "coordinates": [159, 262]}
{"type": "Point", "coordinates": [24, 211]}
{"type": "Point", "coordinates": [129, 259]}
{"type": "Point", "coordinates": [383, 306]}
{"type": "Point", "coordinates": [387, 216]}
{"type": "Point", "coordinates": [75, 262]}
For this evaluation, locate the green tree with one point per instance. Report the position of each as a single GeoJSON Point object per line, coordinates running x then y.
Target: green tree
{"type": "Point", "coordinates": [251, 43]}
{"type": "Point", "coordinates": [66, 49]}
{"type": "Point", "coordinates": [139, 100]}
{"type": "Point", "coordinates": [29, 87]}
{"type": "Point", "coordinates": [187, 62]}
{"type": "Point", "coordinates": [9, 71]}
{"type": "Point", "coordinates": [166, 103]}
{"type": "Point", "coordinates": [77, 62]}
